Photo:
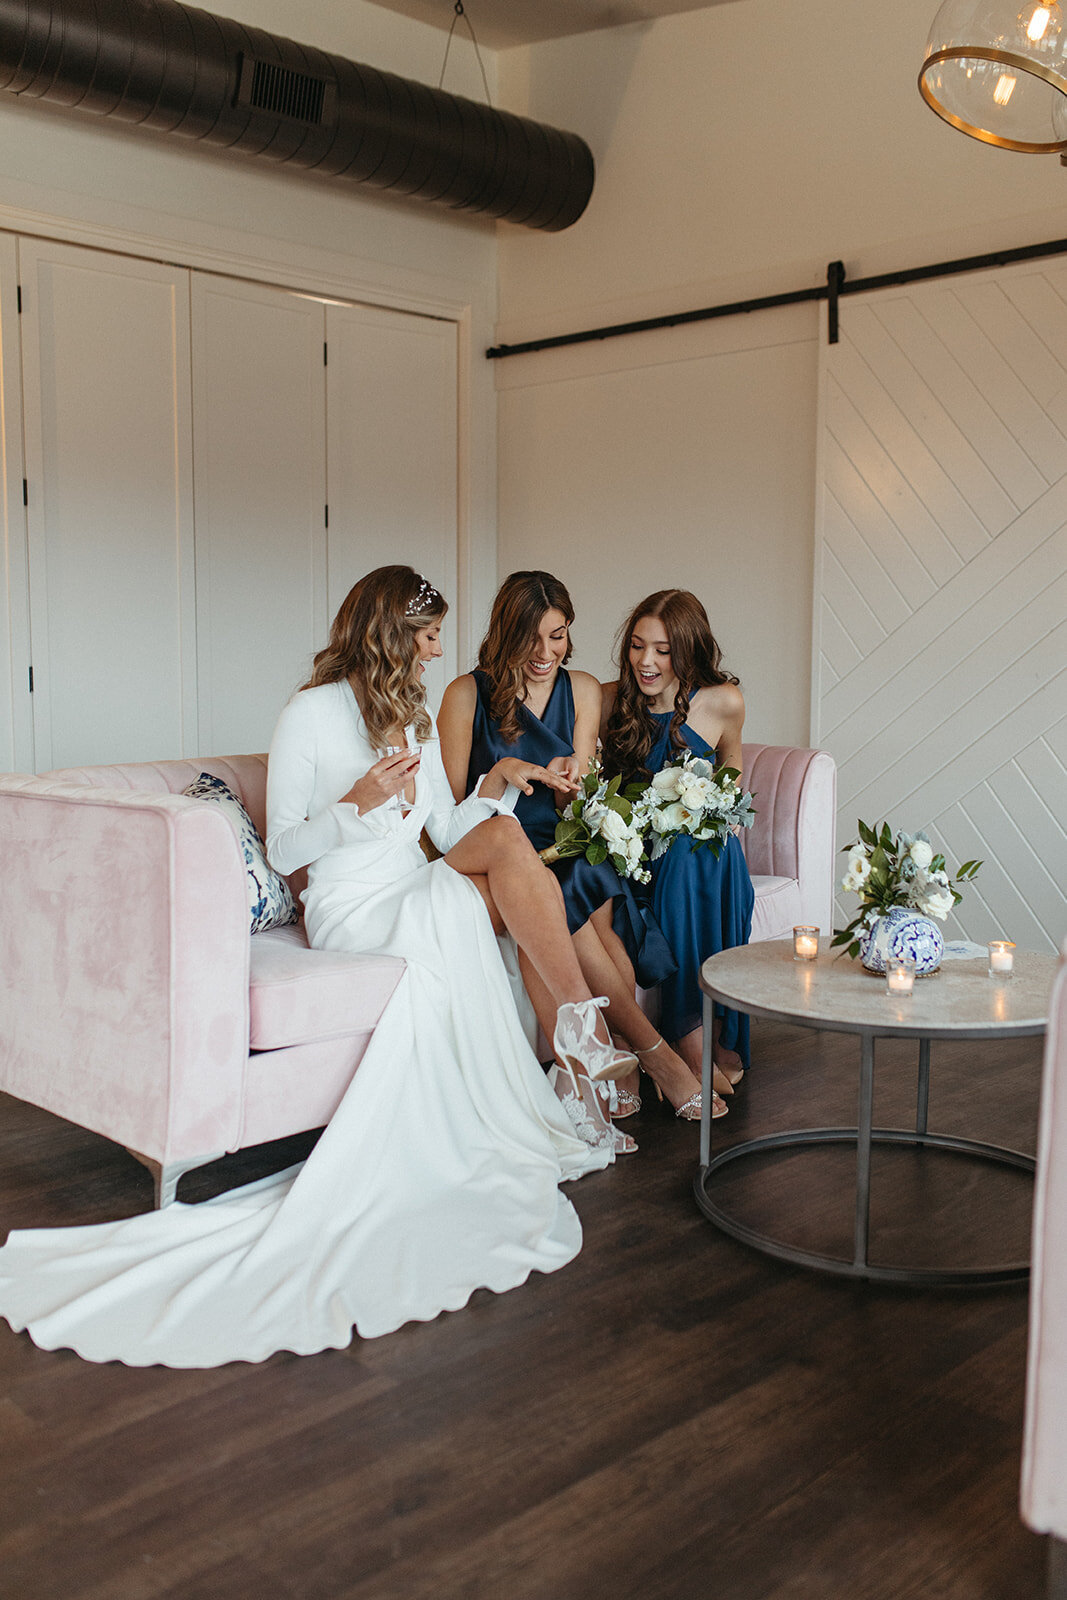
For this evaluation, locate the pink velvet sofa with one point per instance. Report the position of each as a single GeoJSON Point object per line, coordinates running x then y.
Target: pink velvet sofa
{"type": "Point", "coordinates": [133, 1001]}
{"type": "Point", "coordinates": [1044, 1474]}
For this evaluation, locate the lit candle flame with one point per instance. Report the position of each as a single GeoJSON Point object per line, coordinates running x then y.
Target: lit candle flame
{"type": "Point", "coordinates": [1038, 23]}
{"type": "Point", "coordinates": [1002, 92]}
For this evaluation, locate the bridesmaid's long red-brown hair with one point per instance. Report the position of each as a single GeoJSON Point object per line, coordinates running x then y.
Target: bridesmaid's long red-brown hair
{"type": "Point", "coordinates": [695, 656]}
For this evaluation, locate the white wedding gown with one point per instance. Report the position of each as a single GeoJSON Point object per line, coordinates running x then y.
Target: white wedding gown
{"type": "Point", "coordinates": [438, 1173]}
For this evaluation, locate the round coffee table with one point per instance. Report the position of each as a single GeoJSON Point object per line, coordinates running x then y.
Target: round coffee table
{"type": "Point", "coordinates": [960, 1002]}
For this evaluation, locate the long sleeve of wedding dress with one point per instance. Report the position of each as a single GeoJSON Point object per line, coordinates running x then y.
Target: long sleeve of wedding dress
{"type": "Point", "coordinates": [439, 1172]}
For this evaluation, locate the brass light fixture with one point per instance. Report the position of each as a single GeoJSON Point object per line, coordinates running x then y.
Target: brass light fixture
{"type": "Point", "coordinates": [999, 72]}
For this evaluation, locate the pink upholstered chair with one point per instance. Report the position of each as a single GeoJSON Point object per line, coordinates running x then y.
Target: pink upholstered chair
{"type": "Point", "coordinates": [790, 846]}
{"type": "Point", "coordinates": [1044, 1475]}
{"type": "Point", "coordinates": [132, 999]}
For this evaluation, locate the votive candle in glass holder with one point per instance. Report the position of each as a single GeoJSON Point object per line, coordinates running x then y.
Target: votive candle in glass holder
{"type": "Point", "coordinates": [1001, 958]}
{"type": "Point", "coordinates": [899, 974]}
{"type": "Point", "coordinates": [805, 944]}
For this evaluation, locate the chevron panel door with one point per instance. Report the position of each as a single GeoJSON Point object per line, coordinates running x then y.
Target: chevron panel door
{"type": "Point", "coordinates": [940, 627]}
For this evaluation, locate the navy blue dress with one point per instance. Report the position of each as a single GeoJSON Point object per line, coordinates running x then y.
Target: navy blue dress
{"type": "Point", "coordinates": [703, 903]}
{"type": "Point", "coordinates": [585, 888]}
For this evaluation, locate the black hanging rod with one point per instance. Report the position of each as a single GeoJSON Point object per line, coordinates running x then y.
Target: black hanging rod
{"type": "Point", "coordinates": [831, 290]}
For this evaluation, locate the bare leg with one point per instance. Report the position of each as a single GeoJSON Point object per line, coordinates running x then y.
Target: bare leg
{"type": "Point", "coordinates": [690, 1048]}
{"type": "Point", "coordinates": [667, 1068]}
{"type": "Point", "coordinates": [523, 898]}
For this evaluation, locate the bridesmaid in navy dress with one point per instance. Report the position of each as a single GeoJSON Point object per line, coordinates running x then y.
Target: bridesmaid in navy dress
{"type": "Point", "coordinates": [672, 694]}
{"type": "Point", "coordinates": [521, 701]}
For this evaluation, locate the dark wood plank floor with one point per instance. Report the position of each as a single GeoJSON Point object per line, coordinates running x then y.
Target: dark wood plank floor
{"type": "Point", "coordinates": [672, 1417]}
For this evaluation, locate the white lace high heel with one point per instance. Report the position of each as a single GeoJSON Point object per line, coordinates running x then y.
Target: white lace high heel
{"type": "Point", "coordinates": [581, 1100]}
{"type": "Point", "coordinates": [575, 1041]}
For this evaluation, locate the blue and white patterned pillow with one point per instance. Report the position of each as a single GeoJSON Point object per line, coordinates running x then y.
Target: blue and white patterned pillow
{"type": "Point", "coordinates": [270, 902]}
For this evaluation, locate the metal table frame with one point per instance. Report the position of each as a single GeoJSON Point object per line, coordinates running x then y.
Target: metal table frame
{"type": "Point", "coordinates": [863, 1136]}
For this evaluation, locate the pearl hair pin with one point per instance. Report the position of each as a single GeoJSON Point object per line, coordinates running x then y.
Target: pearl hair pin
{"type": "Point", "coordinates": [422, 600]}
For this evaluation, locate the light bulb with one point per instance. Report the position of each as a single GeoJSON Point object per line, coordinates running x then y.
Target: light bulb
{"type": "Point", "coordinates": [1037, 24]}
{"type": "Point", "coordinates": [1003, 90]}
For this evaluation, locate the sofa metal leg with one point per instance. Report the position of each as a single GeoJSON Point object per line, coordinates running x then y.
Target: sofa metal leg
{"type": "Point", "coordinates": [166, 1175]}
{"type": "Point", "coordinates": [1057, 1568]}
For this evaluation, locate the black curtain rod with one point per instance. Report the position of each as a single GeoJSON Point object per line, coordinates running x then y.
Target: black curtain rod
{"type": "Point", "coordinates": [834, 287]}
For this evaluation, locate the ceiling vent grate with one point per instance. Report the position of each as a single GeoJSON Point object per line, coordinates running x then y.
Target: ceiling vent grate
{"type": "Point", "coordinates": [268, 87]}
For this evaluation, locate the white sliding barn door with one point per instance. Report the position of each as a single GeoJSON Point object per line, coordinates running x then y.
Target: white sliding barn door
{"type": "Point", "coordinates": [259, 446]}
{"type": "Point", "coordinates": [392, 453]}
{"type": "Point", "coordinates": [941, 582]}
{"type": "Point", "coordinates": [110, 512]}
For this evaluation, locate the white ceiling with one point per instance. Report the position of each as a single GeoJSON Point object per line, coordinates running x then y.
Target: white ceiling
{"type": "Point", "coordinates": [500, 23]}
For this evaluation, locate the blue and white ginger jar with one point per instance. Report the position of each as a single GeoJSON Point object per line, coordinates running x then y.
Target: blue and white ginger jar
{"type": "Point", "coordinates": [903, 932]}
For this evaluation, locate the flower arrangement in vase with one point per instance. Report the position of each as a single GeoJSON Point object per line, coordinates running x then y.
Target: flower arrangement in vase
{"type": "Point", "coordinates": [903, 885]}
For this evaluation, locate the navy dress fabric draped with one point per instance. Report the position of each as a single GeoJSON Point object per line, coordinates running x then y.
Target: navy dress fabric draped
{"type": "Point", "coordinates": [703, 904]}
{"type": "Point", "coordinates": [584, 887]}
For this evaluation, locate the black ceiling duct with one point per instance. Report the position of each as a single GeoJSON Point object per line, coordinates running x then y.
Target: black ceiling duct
{"type": "Point", "coordinates": [176, 69]}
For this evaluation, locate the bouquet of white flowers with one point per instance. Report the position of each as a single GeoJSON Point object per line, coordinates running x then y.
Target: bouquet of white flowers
{"type": "Point", "coordinates": [600, 824]}
{"type": "Point", "coordinates": [693, 797]}
{"type": "Point", "coordinates": [901, 870]}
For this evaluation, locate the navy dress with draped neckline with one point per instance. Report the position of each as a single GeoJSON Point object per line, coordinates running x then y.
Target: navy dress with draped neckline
{"type": "Point", "coordinates": [584, 887]}
{"type": "Point", "coordinates": [703, 904]}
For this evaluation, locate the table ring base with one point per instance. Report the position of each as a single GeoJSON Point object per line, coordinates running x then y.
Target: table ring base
{"type": "Point", "coordinates": [860, 1267]}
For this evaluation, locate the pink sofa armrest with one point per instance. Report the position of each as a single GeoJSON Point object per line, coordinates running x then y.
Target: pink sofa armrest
{"type": "Point", "coordinates": [795, 798]}
{"type": "Point", "coordinates": [124, 964]}
{"type": "Point", "coordinates": [1044, 1472]}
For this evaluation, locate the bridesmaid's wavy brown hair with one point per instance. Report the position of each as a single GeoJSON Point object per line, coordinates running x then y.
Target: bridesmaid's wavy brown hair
{"type": "Point", "coordinates": [521, 602]}
{"type": "Point", "coordinates": [695, 656]}
{"type": "Point", "coordinates": [372, 644]}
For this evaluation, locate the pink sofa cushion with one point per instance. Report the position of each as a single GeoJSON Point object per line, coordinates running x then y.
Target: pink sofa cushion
{"type": "Point", "coordinates": [777, 908]}
{"type": "Point", "coordinates": [300, 996]}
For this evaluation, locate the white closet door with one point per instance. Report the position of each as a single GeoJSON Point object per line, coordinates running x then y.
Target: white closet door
{"type": "Point", "coordinates": [16, 716]}
{"type": "Point", "coordinates": [391, 455]}
{"type": "Point", "coordinates": [259, 442]}
{"type": "Point", "coordinates": [110, 514]}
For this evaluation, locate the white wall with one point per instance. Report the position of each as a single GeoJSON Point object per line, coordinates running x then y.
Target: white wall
{"type": "Point", "coordinates": [69, 175]}
{"type": "Point", "coordinates": [738, 150]}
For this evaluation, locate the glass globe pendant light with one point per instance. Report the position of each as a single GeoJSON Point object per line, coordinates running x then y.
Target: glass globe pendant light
{"type": "Point", "coordinates": [999, 72]}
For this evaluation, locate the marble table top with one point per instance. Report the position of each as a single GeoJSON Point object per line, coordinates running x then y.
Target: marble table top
{"type": "Point", "coordinates": [959, 1001]}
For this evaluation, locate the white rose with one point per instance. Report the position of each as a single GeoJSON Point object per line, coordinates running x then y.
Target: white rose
{"type": "Point", "coordinates": [612, 827]}
{"type": "Point", "coordinates": [695, 792]}
{"type": "Point", "coordinates": [937, 902]}
{"type": "Point", "coordinates": [921, 853]}
{"type": "Point", "coordinates": [675, 818]}
{"type": "Point", "coordinates": [859, 866]}
{"type": "Point", "coordinates": [665, 783]}
{"type": "Point", "coordinates": [851, 884]}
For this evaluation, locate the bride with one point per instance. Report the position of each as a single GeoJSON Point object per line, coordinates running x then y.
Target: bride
{"type": "Point", "coordinates": [439, 1172]}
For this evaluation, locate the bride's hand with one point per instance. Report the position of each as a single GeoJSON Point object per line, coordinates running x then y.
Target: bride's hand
{"type": "Point", "coordinates": [524, 774]}
{"type": "Point", "coordinates": [382, 781]}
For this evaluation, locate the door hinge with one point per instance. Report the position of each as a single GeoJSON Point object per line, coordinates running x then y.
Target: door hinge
{"type": "Point", "coordinates": [31, 680]}
{"type": "Point", "coordinates": [25, 492]}
{"type": "Point", "coordinates": [325, 356]}
{"type": "Point", "coordinates": [19, 293]}
{"type": "Point", "coordinates": [327, 511]}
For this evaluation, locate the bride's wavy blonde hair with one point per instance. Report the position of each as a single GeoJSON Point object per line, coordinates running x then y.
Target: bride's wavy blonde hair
{"type": "Point", "coordinates": [372, 644]}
